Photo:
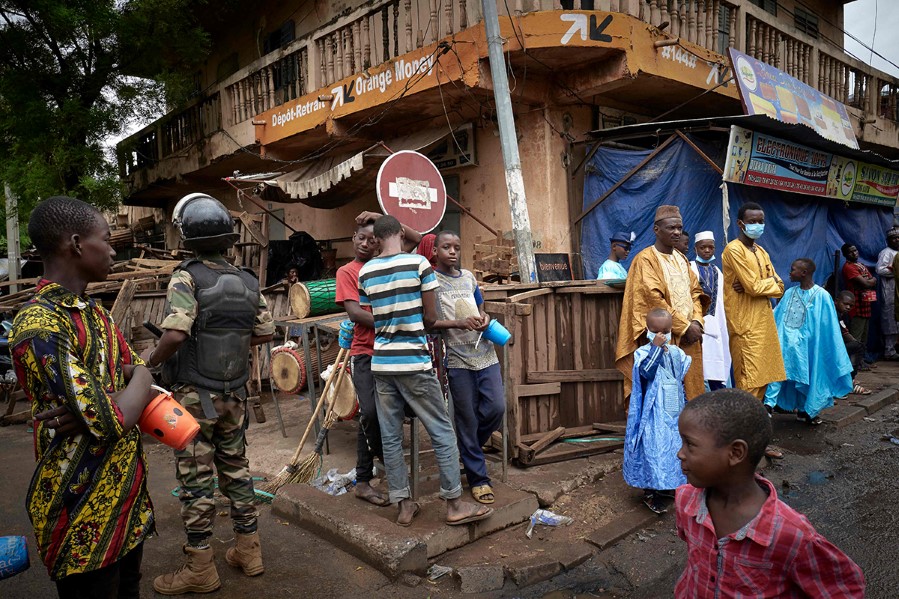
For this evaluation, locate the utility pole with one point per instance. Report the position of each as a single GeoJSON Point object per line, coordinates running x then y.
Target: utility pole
{"type": "Point", "coordinates": [508, 138]}
{"type": "Point", "coordinates": [13, 251]}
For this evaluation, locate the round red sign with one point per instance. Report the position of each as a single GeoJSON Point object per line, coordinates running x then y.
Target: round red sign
{"type": "Point", "coordinates": [411, 189]}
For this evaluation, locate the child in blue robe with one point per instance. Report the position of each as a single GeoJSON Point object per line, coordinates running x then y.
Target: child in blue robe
{"type": "Point", "coordinates": [651, 438]}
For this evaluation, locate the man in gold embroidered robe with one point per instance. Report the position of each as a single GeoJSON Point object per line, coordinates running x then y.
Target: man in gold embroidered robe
{"type": "Point", "coordinates": [660, 277]}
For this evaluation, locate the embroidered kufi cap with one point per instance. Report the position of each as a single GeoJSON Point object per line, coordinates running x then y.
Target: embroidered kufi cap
{"type": "Point", "coordinates": [665, 211]}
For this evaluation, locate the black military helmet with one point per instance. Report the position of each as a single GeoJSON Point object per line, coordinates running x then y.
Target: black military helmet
{"type": "Point", "coordinates": [204, 223]}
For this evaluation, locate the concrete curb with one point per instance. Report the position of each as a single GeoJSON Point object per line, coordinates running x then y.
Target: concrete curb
{"type": "Point", "coordinates": [373, 539]}
{"type": "Point", "coordinates": [878, 401]}
{"type": "Point", "coordinates": [371, 534]}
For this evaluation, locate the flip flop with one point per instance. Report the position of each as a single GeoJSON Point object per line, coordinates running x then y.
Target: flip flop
{"type": "Point", "coordinates": [772, 453]}
{"type": "Point", "coordinates": [375, 499]}
{"type": "Point", "coordinates": [472, 518]}
{"type": "Point", "coordinates": [415, 512]}
{"type": "Point", "coordinates": [483, 493]}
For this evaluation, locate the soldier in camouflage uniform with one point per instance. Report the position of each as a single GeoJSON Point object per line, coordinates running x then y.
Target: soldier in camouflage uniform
{"type": "Point", "coordinates": [207, 334]}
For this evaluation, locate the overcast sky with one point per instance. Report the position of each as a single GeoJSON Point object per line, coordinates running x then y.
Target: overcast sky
{"type": "Point", "coordinates": [860, 21]}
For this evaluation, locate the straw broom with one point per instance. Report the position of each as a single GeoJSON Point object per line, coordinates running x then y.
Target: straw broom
{"type": "Point", "coordinates": [289, 473]}
{"type": "Point", "coordinates": [306, 471]}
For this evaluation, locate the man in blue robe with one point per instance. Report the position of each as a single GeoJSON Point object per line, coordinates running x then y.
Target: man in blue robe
{"type": "Point", "coordinates": [651, 438]}
{"type": "Point", "coordinates": [817, 365]}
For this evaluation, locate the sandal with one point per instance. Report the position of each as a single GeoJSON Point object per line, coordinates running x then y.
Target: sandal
{"type": "Point", "coordinates": [415, 512]}
{"type": "Point", "coordinates": [654, 503]}
{"type": "Point", "coordinates": [773, 453]}
{"type": "Point", "coordinates": [815, 421]}
{"type": "Point", "coordinates": [859, 390]}
{"type": "Point", "coordinates": [482, 493]}
{"type": "Point", "coordinates": [478, 514]}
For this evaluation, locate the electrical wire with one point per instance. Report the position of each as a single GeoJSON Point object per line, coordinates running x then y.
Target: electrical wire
{"type": "Point", "coordinates": [841, 30]}
{"type": "Point", "coordinates": [874, 35]}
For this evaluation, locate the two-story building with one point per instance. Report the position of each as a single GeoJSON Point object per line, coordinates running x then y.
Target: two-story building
{"type": "Point", "coordinates": [308, 97]}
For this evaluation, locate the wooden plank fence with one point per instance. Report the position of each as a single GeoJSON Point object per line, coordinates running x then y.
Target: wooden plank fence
{"type": "Point", "coordinates": [561, 360]}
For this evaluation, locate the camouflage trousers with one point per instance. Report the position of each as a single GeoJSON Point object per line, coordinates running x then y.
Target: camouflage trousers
{"type": "Point", "coordinates": [220, 443]}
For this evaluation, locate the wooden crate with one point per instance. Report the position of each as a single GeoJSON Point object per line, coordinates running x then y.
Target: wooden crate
{"type": "Point", "coordinates": [494, 258]}
{"type": "Point", "coordinates": [561, 358]}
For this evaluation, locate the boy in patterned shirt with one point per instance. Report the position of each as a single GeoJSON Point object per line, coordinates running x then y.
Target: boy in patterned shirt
{"type": "Point", "coordinates": [742, 541]}
{"type": "Point", "coordinates": [88, 499]}
{"type": "Point", "coordinates": [475, 379]}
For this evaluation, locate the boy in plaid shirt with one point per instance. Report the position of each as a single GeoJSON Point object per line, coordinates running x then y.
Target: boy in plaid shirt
{"type": "Point", "coordinates": [742, 540]}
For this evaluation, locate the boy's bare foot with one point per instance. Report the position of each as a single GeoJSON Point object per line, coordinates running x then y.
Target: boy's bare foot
{"type": "Point", "coordinates": [370, 494]}
{"type": "Point", "coordinates": [462, 512]}
{"type": "Point", "coordinates": [408, 510]}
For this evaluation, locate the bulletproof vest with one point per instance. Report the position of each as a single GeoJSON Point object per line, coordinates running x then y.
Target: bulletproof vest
{"type": "Point", "coordinates": [217, 353]}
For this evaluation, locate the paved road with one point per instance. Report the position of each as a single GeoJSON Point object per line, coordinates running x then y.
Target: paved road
{"type": "Point", "coordinates": [298, 564]}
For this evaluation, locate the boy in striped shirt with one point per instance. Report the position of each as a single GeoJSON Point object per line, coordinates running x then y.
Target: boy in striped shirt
{"type": "Point", "coordinates": [400, 289]}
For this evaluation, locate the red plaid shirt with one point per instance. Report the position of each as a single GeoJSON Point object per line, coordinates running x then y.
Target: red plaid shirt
{"type": "Point", "coordinates": [851, 270]}
{"type": "Point", "coordinates": [777, 554]}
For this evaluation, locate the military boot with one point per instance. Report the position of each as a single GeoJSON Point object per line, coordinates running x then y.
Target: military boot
{"type": "Point", "coordinates": [246, 554]}
{"type": "Point", "coordinates": [196, 575]}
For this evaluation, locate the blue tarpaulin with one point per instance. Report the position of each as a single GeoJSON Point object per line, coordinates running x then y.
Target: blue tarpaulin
{"type": "Point", "coordinates": [795, 225]}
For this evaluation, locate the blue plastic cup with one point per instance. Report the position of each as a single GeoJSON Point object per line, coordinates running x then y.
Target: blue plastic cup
{"type": "Point", "coordinates": [497, 333]}
{"type": "Point", "coordinates": [13, 556]}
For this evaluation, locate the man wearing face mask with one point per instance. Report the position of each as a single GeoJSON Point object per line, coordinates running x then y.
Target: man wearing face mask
{"type": "Point", "coordinates": [660, 277]}
{"type": "Point", "coordinates": [715, 340]}
{"type": "Point", "coordinates": [749, 284]}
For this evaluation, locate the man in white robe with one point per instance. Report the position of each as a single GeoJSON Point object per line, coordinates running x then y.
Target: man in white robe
{"type": "Point", "coordinates": [715, 340]}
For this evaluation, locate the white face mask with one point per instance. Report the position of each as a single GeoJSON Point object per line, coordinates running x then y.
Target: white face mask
{"type": "Point", "coordinates": [650, 335]}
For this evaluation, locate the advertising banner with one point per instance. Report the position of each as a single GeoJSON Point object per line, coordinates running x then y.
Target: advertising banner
{"type": "Point", "coordinates": [764, 161]}
{"type": "Point", "coordinates": [769, 91]}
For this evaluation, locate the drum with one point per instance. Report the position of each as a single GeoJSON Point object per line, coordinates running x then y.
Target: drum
{"type": "Point", "coordinates": [288, 366]}
{"type": "Point", "coordinates": [313, 298]}
{"type": "Point", "coordinates": [345, 404]}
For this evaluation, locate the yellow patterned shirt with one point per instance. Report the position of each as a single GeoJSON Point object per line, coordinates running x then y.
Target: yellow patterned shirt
{"type": "Point", "coordinates": [88, 500]}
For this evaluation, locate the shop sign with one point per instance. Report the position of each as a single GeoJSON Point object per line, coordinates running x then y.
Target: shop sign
{"type": "Point", "coordinates": [769, 91]}
{"type": "Point", "coordinates": [764, 161]}
{"type": "Point", "coordinates": [553, 267]}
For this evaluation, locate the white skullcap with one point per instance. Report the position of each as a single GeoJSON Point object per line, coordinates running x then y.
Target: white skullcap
{"type": "Point", "coordinates": [703, 235]}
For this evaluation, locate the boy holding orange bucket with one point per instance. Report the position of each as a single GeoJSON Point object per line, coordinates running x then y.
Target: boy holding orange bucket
{"type": "Point", "coordinates": [88, 500]}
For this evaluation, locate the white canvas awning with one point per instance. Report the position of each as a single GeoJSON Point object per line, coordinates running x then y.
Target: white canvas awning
{"type": "Point", "coordinates": [332, 182]}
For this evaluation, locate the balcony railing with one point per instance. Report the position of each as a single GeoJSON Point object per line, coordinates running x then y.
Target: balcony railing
{"type": "Point", "coordinates": [386, 29]}
{"type": "Point", "coordinates": [173, 133]}
{"type": "Point", "coordinates": [272, 85]}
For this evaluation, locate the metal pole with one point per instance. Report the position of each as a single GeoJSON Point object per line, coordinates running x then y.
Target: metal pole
{"type": "Point", "coordinates": [521, 222]}
{"type": "Point", "coordinates": [13, 251]}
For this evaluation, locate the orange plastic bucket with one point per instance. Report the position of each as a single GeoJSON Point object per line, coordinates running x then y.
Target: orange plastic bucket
{"type": "Point", "coordinates": [167, 421]}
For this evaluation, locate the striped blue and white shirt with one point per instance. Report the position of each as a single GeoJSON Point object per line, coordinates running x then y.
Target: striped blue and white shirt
{"type": "Point", "coordinates": [392, 286]}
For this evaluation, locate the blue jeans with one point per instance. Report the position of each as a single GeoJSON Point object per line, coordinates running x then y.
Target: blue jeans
{"type": "Point", "coordinates": [478, 407]}
{"type": "Point", "coordinates": [421, 392]}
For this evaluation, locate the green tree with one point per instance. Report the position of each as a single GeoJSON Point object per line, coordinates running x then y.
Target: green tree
{"type": "Point", "coordinates": [75, 72]}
